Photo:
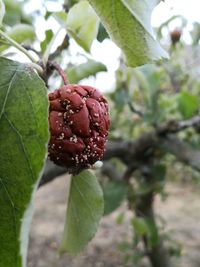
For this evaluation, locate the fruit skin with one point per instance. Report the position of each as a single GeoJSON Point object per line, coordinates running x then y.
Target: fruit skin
{"type": "Point", "coordinates": [78, 124]}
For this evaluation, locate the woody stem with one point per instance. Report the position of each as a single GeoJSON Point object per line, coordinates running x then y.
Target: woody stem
{"type": "Point", "coordinates": [62, 73]}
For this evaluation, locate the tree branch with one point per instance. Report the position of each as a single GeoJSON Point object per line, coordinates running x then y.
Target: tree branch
{"type": "Point", "coordinates": [129, 151]}
{"type": "Point", "coordinates": [110, 171]}
{"type": "Point", "coordinates": [182, 151]}
{"type": "Point", "coordinates": [137, 151]}
{"type": "Point", "coordinates": [173, 126]}
{"type": "Point", "coordinates": [51, 171]}
{"type": "Point", "coordinates": [143, 207]}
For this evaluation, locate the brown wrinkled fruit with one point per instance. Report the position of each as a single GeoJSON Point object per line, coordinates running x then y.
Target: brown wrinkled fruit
{"type": "Point", "coordinates": [79, 123]}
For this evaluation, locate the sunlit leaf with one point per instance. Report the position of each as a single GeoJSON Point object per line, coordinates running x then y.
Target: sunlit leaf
{"type": "Point", "coordinates": [61, 17]}
{"type": "Point", "coordinates": [15, 13]}
{"type": "Point", "coordinates": [2, 11]}
{"type": "Point", "coordinates": [48, 36]}
{"type": "Point", "coordinates": [82, 24]}
{"type": "Point", "coordinates": [128, 22]}
{"type": "Point", "coordinates": [84, 70]}
{"type": "Point", "coordinates": [21, 33]}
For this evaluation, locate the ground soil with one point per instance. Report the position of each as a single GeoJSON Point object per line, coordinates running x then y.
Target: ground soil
{"type": "Point", "coordinates": [180, 211]}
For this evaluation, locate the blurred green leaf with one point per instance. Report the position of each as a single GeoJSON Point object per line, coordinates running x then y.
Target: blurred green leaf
{"type": "Point", "coordinates": [114, 193]}
{"type": "Point", "coordinates": [128, 22]}
{"type": "Point", "coordinates": [196, 33]}
{"type": "Point", "coordinates": [188, 104]}
{"type": "Point", "coordinates": [61, 17]}
{"type": "Point", "coordinates": [136, 257]}
{"type": "Point", "coordinates": [159, 172]}
{"type": "Point", "coordinates": [48, 36]}
{"type": "Point", "coordinates": [15, 13]}
{"type": "Point", "coordinates": [102, 33]}
{"type": "Point", "coordinates": [124, 247]}
{"type": "Point", "coordinates": [147, 227]}
{"type": "Point", "coordinates": [140, 226]}
{"type": "Point", "coordinates": [84, 70]}
{"type": "Point", "coordinates": [70, 3]}
{"type": "Point", "coordinates": [85, 209]}
{"type": "Point", "coordinates": [120, 218]}
{"type": "Point", "coordinates": [120, 97]}
{"type": "Point", "coordinates": [144, 188]}
{"type": "Point", "coordinates": [2, 11]}
{"type": "Point", "coordinates": [21, 33]}
{"type": "Point", "coordinates": [152, 233]}
{"type": "Point", "coordinates": [82, 24]}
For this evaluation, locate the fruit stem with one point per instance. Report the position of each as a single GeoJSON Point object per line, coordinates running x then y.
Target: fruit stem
{"type": "Point", "coordinates": [62, 73]}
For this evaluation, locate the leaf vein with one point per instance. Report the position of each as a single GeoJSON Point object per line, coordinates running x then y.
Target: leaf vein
{"type": "Point", "coordinates": [22, 144]}
{"type": "Point", "coordinates": [82, 196]}
{"type": "Point", "coordinates": [7, 93]}
{"type": "Point", "coordinates": [13, 209]}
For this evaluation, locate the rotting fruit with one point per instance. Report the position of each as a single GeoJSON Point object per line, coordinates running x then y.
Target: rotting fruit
{"type": "Point", "coordinates": [79, 123]}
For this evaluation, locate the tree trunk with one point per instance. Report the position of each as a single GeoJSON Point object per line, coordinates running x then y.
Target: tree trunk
{"type": "Point", "coordinates": [157, 253]}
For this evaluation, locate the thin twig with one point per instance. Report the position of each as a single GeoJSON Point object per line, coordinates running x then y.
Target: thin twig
{"type": "Point", "coordinates": [134, 110]}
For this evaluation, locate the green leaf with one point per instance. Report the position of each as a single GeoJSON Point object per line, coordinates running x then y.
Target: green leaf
{"type": "Point", "coordinates": [23, 139]}
{"type": "Point", "coordinates": [15, 14]}
{"type": "Point", "coordinates": [152, 235]}
{"type": "Point", "coordinates": [71, 2]}
{"type": "Point", "coordinates": [61, 17]}
{"type": "Point", "coordinates": [85, 209]}
{"type": "Point", "coordinates": [20, 33]}
{"type": "Point", "coordinates": [114, 193]}
{"type": "Point", "coordinates": [140, 226]}
{"type": "Point", "coordinates": [121, 98]}
{"type": "Point", "coordinates": [187, 104]}
{"type": "Point", "coordinates": [128, 23]}
{"type": "Point", "coordinates": [102, 33]}
{"type": "Point", "coordinates": [120, 218]}
{"type": "Point", "coordinates": [159, 172]}
{"type": "Point", "coordinates": [48, 36]}
{"type": "Point", "coordinates": [82, 24]}
{"type": "Point", "coordinates": [2, 11]}
{"type": "Point", "coordinates": [84, 70]}
{"type": "Point", "coordinates": [124, 247]}
{"type": "Point", "coordinates": [147, 227]}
